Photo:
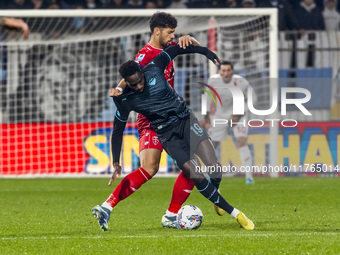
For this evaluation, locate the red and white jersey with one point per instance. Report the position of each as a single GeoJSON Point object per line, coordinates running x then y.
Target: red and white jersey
{"type": "Point", "coordinates": [144, 57]}
{"type": "Point", "coordinates": [226, 110]}
{"type": "Point", "coordinates": [148, 53]}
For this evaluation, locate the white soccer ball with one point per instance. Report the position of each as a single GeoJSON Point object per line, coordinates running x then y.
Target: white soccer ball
{"type": "Point", "coordinates": [189, 217]}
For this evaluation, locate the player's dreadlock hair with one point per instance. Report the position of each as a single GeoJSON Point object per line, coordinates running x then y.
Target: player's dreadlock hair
{"type": "Point", "coordinates": [162, 20]}
{"type": "Point", "coordinates": [128, 68]}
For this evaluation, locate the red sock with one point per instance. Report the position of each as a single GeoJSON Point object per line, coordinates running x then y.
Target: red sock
{"type": "Point", "coordinates": [128, 185]}
{"type": "Point", "coordinates": [182, 189]}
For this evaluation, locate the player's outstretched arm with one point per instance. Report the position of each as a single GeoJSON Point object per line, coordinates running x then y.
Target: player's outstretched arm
{"type": "Point", "coordinates": [166, 56]}
{"type": "Point", "coordinates": [16, 23]}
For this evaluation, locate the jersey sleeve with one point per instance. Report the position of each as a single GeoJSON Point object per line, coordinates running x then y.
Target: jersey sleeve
{"type": "Point", "coordinates": [167, 55]}
{"type": "Point", "coordinates": [120, 120]}
{"type": "Point", "coordinates": [143, 59]}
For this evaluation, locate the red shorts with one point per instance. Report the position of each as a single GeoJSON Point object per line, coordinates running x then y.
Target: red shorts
{"type": "Point", "coordinates": [148, 138]}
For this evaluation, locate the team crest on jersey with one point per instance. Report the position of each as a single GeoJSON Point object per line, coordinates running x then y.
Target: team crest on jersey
{"type": "Point", "coordinates": [155, 140]}
{"type": "Point", "coordinates": [152, 81]}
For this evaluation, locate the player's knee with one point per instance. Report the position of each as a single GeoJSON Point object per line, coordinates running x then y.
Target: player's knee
{"type": "Point", "coordinates": [150, 167]}
{"type": "Point", "coordinates": [212, 161]}
{"type": "Point", "coordinates": [192, 170]}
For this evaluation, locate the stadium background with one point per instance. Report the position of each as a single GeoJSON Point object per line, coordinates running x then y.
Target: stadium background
{"type": "Point", "coordinates": [38, 137]}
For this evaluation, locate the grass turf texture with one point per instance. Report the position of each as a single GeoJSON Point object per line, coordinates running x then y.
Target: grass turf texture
{"type": "Point", "coordinates": [52, 216]}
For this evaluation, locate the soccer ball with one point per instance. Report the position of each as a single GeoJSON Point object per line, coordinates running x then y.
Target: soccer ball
{"type": "Point", "coordinates": [189, 217]}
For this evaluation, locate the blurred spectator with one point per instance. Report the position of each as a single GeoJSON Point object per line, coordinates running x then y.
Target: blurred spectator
{"type": "Point", "coordinates": [200, 4]}
{"type": "Point", "coordinates": [93, 4]}
{"type": "Point", "coordinates": [115, 4]}
{"type": "Point", "coordinates": [309, 16]}
{"type": "Point", "coordinates": [228, 4]}
{"type": "Point", "coordinates": [73, 4]}
{"type": "Point", "coordinates": [163, 3]}
{"type": "Point", "coordinates": [331, 15]}
{"type": "Point", "coordinates": [104, 3]}
{"type": "Point", "coordinates": [38, 4]}
{"type": "Point", "coordinates": [151, 4]}
{"type": "Point", "coordinates": [178, 4]}
{"type": "Point", "coordinates": [21, 4]}
{"type": "Point", "coordinates": [79, 22]}
{"type": "Point", "coordinates": [135, 4]}
{"type": "Point", "coordinates": [248, 4]}
{"type": "Point", "coordinates": [287, 19]}
{"type": "Point", "coordinates": [53, 6]}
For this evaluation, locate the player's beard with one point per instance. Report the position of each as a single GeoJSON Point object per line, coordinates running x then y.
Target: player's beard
{"type": "Point", "coordinates": [164, 44]}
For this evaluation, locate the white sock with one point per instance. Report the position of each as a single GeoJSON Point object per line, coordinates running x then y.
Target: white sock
{"type": "Point", "coordinates": [170, 214]}
{"type": "Point", "coordinates": [107, 206]}
{"type": "Point", "coordinates": [246, 159]}
{"type": "Point", "coordinates": [234, 213]}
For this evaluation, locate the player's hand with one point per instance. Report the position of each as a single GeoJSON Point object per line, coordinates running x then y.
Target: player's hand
{"type": "Point", "coordinates": [117, 169]}
{"type": "Point", "coordinates": [114, 92]}
{"type": "Point", "coordinates": [18, 24]}
{"type": "Point", "coordinates": [184, 41]}
{"type": "Point", "coordinates": [25, 30]}
{"type": "Point", "coordinates": [213, 57]}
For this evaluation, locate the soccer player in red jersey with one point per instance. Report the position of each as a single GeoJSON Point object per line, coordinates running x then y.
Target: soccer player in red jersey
{"type": "Point", "coordinates": [162, 26]}
{"type": "Point", "coordinates": [178, 129]}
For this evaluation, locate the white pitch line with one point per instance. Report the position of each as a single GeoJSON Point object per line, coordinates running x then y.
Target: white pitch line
{"type": "Point", "coordinates": [177, 236]}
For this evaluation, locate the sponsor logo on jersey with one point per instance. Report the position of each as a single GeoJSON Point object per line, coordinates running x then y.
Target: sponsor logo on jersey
{"type": "Point", "coordinates": [140, 57]}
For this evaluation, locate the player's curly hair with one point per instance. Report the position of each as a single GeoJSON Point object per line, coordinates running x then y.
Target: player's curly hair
{"type": "Point", "coordinates": [128, 68]}
{"type": "Point", "coordinates": [162, 20]}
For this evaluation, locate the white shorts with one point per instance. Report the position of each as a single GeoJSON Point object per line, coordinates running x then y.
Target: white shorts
{"type": "Point", "coordinates": [219, 133]}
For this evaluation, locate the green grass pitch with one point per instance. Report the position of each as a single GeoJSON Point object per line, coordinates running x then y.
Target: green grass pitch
{"type": "Point", "coordinates": [52, 216]}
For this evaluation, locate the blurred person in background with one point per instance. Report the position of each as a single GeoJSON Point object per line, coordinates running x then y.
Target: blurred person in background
{"type": "Point", "coordinates": [17, 24]}
{"type": "Point", "coordinates": [331, 16]}
{"type": "Point", "coordinates": [135, 4]}
{"type": "Point", "coordinates": [287, 19]}
{"type": "Point", "coordinates": [39, 4]}
{"type": "Point", "coordinates": [248, 4]}
{"type": "Point", "coordinates": [178, 4]}
{"type": "Point", "coordinates": [151, 4]}
{"type": "Point", "coordinates": [229, 4]}
{"type": "Point", "coordinates": [201, 4]}
{"type": "Point", "coordinates": [309, 16]}
{"type": "Point", "coordinates": [115, 4]}
{"type": "Point", "coordinates": [20, 5]}
{"type": "Point", "coordinates": [93, 4]}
